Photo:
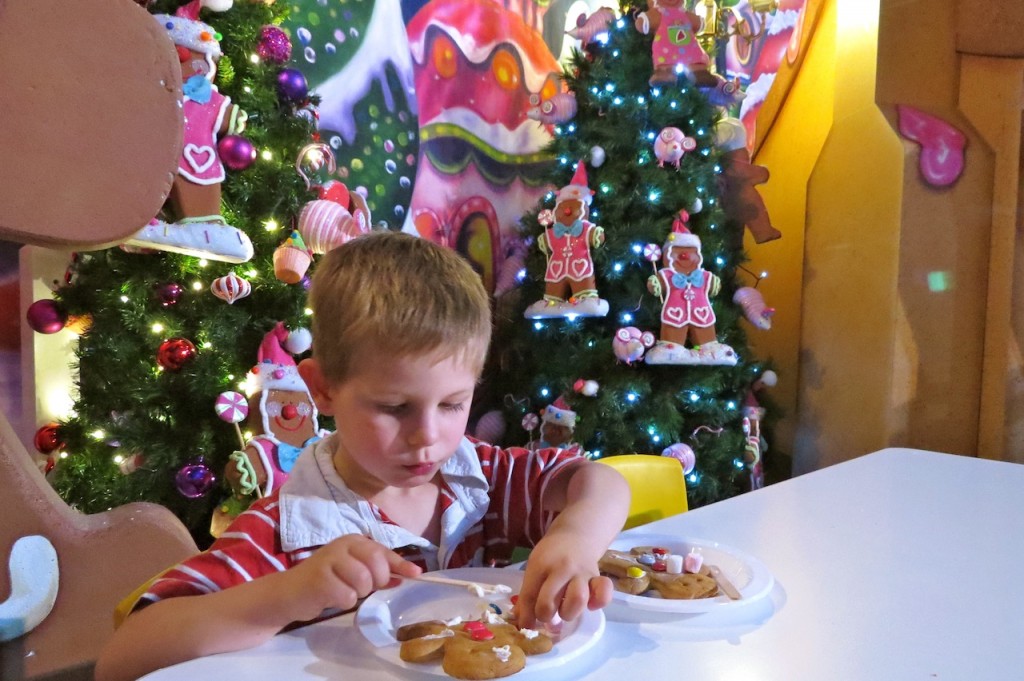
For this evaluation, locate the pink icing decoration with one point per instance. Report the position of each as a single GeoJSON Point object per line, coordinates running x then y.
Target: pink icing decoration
{"type": "Point", "coordinates": [278, 373]}
{"type": "Point", "coordinates": [942, 145]}
{"type": "Point", "coordinates": [692, 562]}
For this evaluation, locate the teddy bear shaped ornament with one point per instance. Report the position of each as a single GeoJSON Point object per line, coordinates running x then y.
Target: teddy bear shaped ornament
{"type": "Point", "coordinates": [570, 284]}
{"type": "Point", "coordinates": [686, 290]}
{"type": "Point", "coordinates": [199, 229]}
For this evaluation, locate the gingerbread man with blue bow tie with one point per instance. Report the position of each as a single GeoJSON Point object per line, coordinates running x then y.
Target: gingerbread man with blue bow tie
{"type": "Point", "coordinates": [686, 290]}
{"type": "Point", "coordinates": [282, 412]}
{"type": "Point", "coordinates": [570, 283]}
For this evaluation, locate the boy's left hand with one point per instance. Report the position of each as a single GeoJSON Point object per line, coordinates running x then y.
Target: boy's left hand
{"type": "Point", "coordinates": [561, 577]}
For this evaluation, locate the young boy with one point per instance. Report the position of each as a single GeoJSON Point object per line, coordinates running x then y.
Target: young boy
{"type": "Point", "coordinates": [401, 328]}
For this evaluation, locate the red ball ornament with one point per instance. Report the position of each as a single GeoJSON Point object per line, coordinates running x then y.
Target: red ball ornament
{"type": "Point", "coordinates": [44, 316]}
{"type": "Point", "coordinates": [47, 439]}
{"type": "Point", "coordinates": [174, 353]}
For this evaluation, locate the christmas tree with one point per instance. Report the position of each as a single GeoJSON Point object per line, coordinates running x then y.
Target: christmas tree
{"type": "Point", "coordinates": [167, 331]}
{"type": "Point", "coordinates": [649, 144]}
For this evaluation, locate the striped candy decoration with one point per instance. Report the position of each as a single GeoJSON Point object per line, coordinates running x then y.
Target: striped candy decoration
{"type": "Point", "coordinates": [319, 225]}
{"type": "Point", "coordinates": [230, 288]}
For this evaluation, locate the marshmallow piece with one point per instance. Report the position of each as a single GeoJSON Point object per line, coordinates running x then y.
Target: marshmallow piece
{"type": "Point", "coordinates": [674, 564]}
{"type": "Point", "coordinates": [693, 562]}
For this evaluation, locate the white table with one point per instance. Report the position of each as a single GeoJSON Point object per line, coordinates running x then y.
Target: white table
{"type": "Point", "coordinates": [900, 565]}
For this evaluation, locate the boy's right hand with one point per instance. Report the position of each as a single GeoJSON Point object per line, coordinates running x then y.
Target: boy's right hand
{"type": "Point", "coordinates": [340, 573]}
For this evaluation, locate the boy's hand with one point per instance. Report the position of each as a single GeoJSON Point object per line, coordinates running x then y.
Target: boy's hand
{"type": "Point", "coordinates": [561, 577]}
{"type": "Point", "coordinates": [340, 573]}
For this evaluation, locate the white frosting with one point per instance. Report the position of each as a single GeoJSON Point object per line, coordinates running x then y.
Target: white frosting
{"type": "Point", "coordinates": [529, 634]}
{"type": "Point", "coordinates": [447, 633]}
{"type": "Point", "coordinates": [492, 617]}
{"type": "Point", "coordinates": [476, 590]}
{"type": "Point", "coordinates": [453, 621]}
{"type": "Point", "coordinates": [503, 653]}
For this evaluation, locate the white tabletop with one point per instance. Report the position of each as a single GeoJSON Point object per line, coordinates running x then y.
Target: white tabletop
{"type": "Point", "coordinates": [899, 565]}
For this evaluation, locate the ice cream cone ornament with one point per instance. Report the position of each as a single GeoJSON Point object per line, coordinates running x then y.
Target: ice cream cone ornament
{"type": "Point", "coordinates": [577, 188]}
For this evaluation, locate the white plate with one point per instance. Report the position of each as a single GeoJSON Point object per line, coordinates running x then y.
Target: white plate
{"type": "Point", "coordinates": [380, 616]}
{"type": "Point", "coordinates": [748, 574]}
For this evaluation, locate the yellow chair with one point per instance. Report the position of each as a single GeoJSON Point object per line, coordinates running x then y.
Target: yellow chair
{"type": "Point", "coordinates": [656, 483]}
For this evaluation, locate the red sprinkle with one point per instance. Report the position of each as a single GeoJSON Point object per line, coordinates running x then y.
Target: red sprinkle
{"type": "Point", "coordinates": [475, 625]}
{"type": "Point", "coordinates": [515, 599]}
{"type": "Point", "coordinates": [659, 566]}
{"type": "Point", "coordinates": [659, 551]}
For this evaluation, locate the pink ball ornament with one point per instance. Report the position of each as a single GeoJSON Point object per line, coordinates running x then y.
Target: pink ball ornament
{"type": "Point", "coordinates": [236, 152]}
{"type": "Point", "coordinates": [274, 45]}
{"type": "Point", "coordinates": [45, 316]}
{"type": "Point", "coordinates": [684, 453]}
{"type": "Point", "coordinates": [490, 427]}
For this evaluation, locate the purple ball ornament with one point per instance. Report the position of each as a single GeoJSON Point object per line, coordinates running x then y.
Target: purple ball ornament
{"type": "Point", "coordinates": [45, 316]}
{"type": "Point", "coordinates": [291, 86]}
{"type": "Point", "coordinates": [274, 45]}
{"type": "Point", "coordinates": [195, 480]}
{"type": "Point", "coordinates": [169, 294]}
{"type": "Point", "coordinates": [236, 152]}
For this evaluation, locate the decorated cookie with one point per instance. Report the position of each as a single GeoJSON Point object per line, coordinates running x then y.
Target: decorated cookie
{"type": "Point", "coordinates": [482, 659]}
{"type": "Point", "coordinates": [428, 648]}
{"type": "Point", "coordinates": [419, 629]}
{"type": "Point", "coordinates": [650, 564]}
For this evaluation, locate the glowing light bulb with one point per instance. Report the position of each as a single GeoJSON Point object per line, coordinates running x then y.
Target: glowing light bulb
{"type": "Point", "coordinates": [631, 397]}
{"type": "Point", "coordinates": [626, 317]}
{"type": "Point", "coordinates": [266, 155]}
{"type": "Point", "coordinates": [271, 225]}
{"type": "Point", "coordinates": [157, 328]}
{"type": "Point", "coordinates": [197, 286]}
{"type": "Point", "coordinates": [544, 392]}
{"type": "Point", "coordinates": [98, 434]}
{"type": "Point", "coordinates": [124, 299]}
{"type": "Point", "coordinates": [308, 311]}
{"type": "Point", "coordinates": [254, 58]}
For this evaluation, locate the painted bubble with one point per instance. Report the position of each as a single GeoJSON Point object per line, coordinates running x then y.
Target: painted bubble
{"type": "Point", "coordinates": [304, 35]}
{"type": "Point", "coordinates": [390, 166]}
{"type": "Point", "coordinates": [405, 182]}
{"type": "Point", "coordinates": [389, 146]}
{"type": "Point", "coordinates": [339, 35]}
{"type": "Point", "coordinates": [329, 48]}
{"type": "Point", "coordinates": [357, 164]}
{"type": "Point", "coordinates": [310, 54]}
{"type": "Point", "coordinates": [354, 32]}
{"type": "Point", "coordinates": [335, 142]}
{"type": "Point", "coordinates": [399, 211]}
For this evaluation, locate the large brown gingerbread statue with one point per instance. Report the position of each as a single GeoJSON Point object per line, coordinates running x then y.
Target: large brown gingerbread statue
{"type": "Point", "coordinates": [74, 189]}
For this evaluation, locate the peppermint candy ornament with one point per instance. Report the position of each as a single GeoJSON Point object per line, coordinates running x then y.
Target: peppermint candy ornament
{"type": "Point", "coordinates": [652, 252]}
{"type": "Point", "coordinates": [230, 288]}
{"type": "Point", "coordinates": [231, 407]}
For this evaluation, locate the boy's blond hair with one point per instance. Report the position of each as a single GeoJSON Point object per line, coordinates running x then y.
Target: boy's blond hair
{"type": "Point", "coordinates": [396, 294]}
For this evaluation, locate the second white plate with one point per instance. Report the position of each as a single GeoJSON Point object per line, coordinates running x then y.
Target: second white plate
{"type": "Point", "coordinates": [748, 574]}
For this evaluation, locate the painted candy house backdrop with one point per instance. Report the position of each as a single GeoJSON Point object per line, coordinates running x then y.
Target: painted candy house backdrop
{"type": "Point", "coordinates": [426, 106]}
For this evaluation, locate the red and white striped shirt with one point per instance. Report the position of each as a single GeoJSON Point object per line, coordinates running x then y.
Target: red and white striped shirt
{"type": "Point", "coordinates": [491, 503]}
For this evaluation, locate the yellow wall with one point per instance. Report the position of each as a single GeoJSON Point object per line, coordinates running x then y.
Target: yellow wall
{"type": "Point", "coordinates": [895, 321]}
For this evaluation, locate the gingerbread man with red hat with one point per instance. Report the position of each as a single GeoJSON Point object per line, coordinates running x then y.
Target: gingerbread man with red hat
{"type": "Point", "coordinates": [282, 411]}
{"type": "Point", "coordinates": [570, 283]}
{"type": "Point", "coordinates": [686, 290]}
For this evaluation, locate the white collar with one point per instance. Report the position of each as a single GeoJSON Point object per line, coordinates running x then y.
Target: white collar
{"type": "Point", "coordinates": [317, 506]}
